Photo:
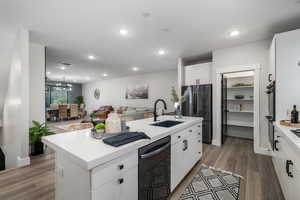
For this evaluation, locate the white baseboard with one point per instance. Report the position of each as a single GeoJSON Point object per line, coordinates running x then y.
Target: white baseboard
{"type": "Point", "coordinates": [215, 142]}
{"type": "Point", "coordinates": [23, 161]}
{"type": "Point", "coordinates": [263, 151]}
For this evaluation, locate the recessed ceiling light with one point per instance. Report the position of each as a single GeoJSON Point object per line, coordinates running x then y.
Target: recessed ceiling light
{"type": "Point", "coordinates": [48, 73]}
{"type": "Point", "coordinates": [62, 67]}
{"type": "Point", "coordinates": [234, 33]}
{"type": "Point", "coordinates": [91, 57]}
{"type": "Point", "coordinates": [135, 68]}
{"type": "Point", "coordinates": [161, 52]}
{"type": "Point", "coordinates": [123, 32]}
{"type": "Point", "coordinates": [105, 74]}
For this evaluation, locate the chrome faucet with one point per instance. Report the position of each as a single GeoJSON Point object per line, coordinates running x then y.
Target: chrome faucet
{"type": "Point", "coordinates": [154, 112]}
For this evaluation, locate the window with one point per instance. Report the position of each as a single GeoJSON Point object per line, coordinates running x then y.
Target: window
{"type": "Point", "coordinates": [59, 95]}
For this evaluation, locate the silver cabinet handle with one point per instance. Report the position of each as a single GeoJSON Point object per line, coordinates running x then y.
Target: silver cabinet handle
{"type": "Point", "coordinates": [155, 152]}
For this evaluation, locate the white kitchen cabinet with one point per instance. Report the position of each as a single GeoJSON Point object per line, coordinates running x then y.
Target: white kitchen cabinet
{"type": "Point", "coordinates": [289, 177]}
{"type": "Point", "coordinates": [177, 166]}
{"type": "Point", "coordinates": [285, 65]}
{"type": "Point", "coordinates": [198, 74]}
{"type": "Point", "coordinates": [272, 61]}
{"type": "Point", "coordinates": [194, 150]}
{"type": "Point", "coordinates": [186, 151]}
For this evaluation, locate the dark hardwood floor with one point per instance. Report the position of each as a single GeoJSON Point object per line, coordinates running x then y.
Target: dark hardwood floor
{"type": "Point", "coordinates": [36, 182]}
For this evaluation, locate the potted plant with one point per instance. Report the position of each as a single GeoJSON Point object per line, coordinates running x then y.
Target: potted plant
{"type": "Point", "coordinates": [79, 101]}
{"type": "Point", "coordinates": [100, 128]}
{"type": "Point", "coordinates": [35, 137]}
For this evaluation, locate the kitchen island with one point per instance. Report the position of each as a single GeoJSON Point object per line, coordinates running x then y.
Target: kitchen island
{"type": "Point", "coordinates": [87, 168]}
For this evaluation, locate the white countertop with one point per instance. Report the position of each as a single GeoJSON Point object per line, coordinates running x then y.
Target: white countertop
{"type": "Point", "coordinates": [293, 139]}
{"type": "Point", "coordinates": [89, 152]}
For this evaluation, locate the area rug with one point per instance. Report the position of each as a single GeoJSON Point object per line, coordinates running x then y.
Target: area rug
{"type": "Point", "coordinates": [213, 184]}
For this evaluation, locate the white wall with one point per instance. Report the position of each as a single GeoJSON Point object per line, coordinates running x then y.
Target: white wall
{"type": "Point", "coordinates": [113, 91]}
{"type": "Point", "coordinates": [24, 99]}
{"type": "Point", "coordinates": [14, 138]}
{"type": "Point", "coordinates": [37, 83]}
{"type": "Point", "coordinates": [251, 53]}
{"type": "Point", "coordinates": [7, 40]}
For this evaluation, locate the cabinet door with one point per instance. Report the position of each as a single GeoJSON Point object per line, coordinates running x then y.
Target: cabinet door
{"type": "Point", "coordinates": [129, 187]}
{"type": "Point", "coordinates": [177, 164]}
{"type": "Point", "coordinates": [272, 60]}
{"type": "Point", "coordinates": [198, 74]}
{"type": "Point", "coordinates": [108, 191]}
{"type": "Point", "coordinates": [193, 154]}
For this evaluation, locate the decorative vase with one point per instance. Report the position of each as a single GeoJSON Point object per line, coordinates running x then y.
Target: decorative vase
{"type": "Point", "coordinates": [97, 134]}
{"type": "Point", "coordinates": [178, 114]}
{"type": "Point", "coordinates": [100, 131]}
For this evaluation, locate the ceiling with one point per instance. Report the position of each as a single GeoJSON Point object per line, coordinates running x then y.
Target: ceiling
{"type": "Point", "coordinates": [72, 30]}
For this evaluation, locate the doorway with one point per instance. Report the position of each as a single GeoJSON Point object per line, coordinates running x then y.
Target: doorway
{"type": "Point", "coordinates": [221, 100]}
{"type": "Point", "coordinates": [237, 105]}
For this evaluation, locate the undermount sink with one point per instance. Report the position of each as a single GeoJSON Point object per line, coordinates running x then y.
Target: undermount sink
{"type": "Point", "coordinates": [167, 123]}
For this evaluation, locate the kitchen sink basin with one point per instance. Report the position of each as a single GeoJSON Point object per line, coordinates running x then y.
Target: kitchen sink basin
{"type": "Point", "coordinates": [167, 123]}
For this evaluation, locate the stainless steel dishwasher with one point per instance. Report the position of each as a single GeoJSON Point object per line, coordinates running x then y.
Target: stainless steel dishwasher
{"type": "Point", "coordinates": [154, 170]}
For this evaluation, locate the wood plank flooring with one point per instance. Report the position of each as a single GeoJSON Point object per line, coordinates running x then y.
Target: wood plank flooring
{"type": "Point", "coordinates": [36, 182]}
{"type": "Point", "coordinates": [236, 155]}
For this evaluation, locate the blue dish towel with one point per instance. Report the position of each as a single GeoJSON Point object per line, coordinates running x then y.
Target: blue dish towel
{"type": "Point", "coordinates": [125, 138]}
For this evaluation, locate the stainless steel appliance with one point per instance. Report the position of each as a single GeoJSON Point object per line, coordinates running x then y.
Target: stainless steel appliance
{"type": "Point", "coordinates": [154, 170]}
{"type": "Point", "coordinates": [271, 89]}
{"type": "Point", "coordinates": [199, 104]}
{"type": "Point", "coordinates": [2, 160]}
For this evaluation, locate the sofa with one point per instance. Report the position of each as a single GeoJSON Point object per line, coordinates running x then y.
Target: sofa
{"type": "Point", "coordinates": [103, 112]}
{"type": "Point", "coordinates": [133, 113]}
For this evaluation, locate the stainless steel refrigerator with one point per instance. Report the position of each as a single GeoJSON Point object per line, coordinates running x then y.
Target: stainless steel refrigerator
{"type": "Point", "coordinates": [198, 103]}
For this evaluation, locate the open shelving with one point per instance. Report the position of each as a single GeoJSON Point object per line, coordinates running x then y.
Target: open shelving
{"type": "Point", "coordinates": [240, 112]}
{"type": "Point", "coordinates": [239, 123]}
{"type": "Point", "coordinates": [239, 99]}
{"type": "Point", "coordinates": [241, 87]}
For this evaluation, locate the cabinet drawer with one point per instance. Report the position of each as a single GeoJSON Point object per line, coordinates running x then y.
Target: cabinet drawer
{"type": "Point", "coordinates": [122, 187]}
{"type": "Point", "coordinates": [285, 146]}
{"type": "Point", "coordinates": [198, 128]}
{"type": "Point", "coordinates": [113, 169]}
{"type": "Point", "coordinates": [195, 129]}
{"type": "Point", "coordinates": [177, 137]}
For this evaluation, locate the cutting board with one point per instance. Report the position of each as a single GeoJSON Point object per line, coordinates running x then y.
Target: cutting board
{"type": "Point", "coordinates": [288, 123]}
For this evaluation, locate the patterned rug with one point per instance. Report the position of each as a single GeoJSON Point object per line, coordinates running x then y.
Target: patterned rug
{"type": "Point", "coordinates": [212, 184]}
